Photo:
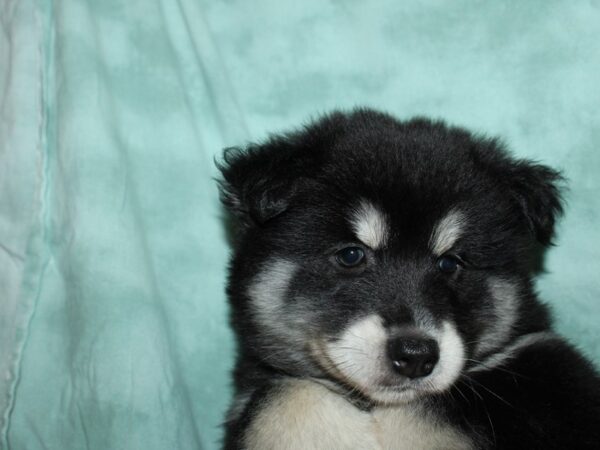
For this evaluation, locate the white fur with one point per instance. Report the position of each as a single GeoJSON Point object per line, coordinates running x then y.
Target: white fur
{"type": "Point", "coordinates": [271, 284]}
{"type": "Point", "coordinates": [445, 373]}
{"type": "Point", "coordinates": [446, 232]}
{"type": "Point", "coordinates": [504, 295]}
{"type": "Point", "coordinates": [405, 427]}
{"type": "Point", "coordinates": [452, 358]}
{"type": "Point", "coordinates": [359, 352]}
{"type": "Point", "coordinates": [359, 358]}
{"type": "Point", "coordinates": [303, 415]}
{"type": "Point", "coordinates": [507, 353]}
{"type": "Point", "coordinates": [370, 225]}
{"type": "Point", "coordinates": [267, 292]}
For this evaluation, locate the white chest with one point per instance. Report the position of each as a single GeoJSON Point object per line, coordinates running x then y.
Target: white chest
{"type": "Point", "coordinates": [304, 415]}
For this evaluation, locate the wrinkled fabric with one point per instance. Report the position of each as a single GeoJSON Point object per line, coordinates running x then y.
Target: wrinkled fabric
{"type": "Point", "coordinates": [113, 253]}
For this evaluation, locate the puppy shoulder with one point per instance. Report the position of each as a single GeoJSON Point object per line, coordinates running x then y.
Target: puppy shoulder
{"type": "Point", "coordinates": [544, 356]}
{"type": "Point", "coordinates": [543, 393]}
{"type": "Point", "coordinates": [557, 365]}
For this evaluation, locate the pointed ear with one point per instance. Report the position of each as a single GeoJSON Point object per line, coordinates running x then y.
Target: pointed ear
{"type": "Point", "coordinates": [259, 182]}
{"type": "Point", "coordinates": [537, 189]}
{"type": "Point", "coordinates": [534, 188]}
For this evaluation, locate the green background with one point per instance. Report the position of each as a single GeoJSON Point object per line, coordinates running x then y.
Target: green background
{"type": "Point", "coordinates": [113, 331]}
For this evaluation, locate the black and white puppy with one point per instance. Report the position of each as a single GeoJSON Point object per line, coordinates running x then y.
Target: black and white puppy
{"type": "Point", "coordinates": [381, 292]}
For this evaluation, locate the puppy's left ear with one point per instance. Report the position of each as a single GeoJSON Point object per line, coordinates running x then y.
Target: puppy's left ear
{"type": "Point", "coordinates": [537, 190]}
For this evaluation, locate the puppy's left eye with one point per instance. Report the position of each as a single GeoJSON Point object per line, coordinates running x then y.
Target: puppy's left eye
{"type": "Point", "coordinates": [448, 264]}
{"type": "Point", "coordinates": [350, 256]}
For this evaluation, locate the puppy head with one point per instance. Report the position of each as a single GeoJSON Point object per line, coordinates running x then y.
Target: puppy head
{"type": "Point", "coordinates": [386, 256]}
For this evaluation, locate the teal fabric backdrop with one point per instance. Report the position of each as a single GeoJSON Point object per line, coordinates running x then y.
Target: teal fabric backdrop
{"type": "Point", "coordinates": [113, 321]}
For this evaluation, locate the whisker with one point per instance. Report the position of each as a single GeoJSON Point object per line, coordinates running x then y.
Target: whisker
{"type": "Point", "coordinates": [472, 389]}
{"type": "Point", "coordinates": [489, 390]}
{"type": "Point", "coordinates": [496, 368]}
{"type": "Point", "coordinates": [487, 413]}
{"type": "Point", "coordinates": [462, 394]}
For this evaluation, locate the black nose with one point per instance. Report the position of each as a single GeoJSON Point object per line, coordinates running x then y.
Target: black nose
{"type": "Point", "coordinates": [413, 357]}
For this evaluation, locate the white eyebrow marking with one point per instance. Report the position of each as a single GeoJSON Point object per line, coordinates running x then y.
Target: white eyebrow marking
{"type": "Point", "coordinates": [370, 225]}
{"type": "Point", "coordinates": [446, 232]}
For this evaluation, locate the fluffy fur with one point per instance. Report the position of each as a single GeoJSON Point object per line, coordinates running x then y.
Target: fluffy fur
{"type": "Point", "coordinates": [448, 228]}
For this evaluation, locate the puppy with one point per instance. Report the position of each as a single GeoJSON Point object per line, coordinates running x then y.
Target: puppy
{"type": "Point", "coordinates": [381, 291]}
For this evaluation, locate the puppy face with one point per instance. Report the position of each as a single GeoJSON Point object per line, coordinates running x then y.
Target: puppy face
{"type": "Point", "coordinates": [383, 256]}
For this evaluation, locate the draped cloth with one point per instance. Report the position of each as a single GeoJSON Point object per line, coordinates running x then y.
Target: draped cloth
{"type": "Point", "coordinates": [113, 253]}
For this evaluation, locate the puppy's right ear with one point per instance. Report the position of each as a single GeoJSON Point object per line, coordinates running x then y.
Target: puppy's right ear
{"type": "Point", "coordinates": [259, 181]}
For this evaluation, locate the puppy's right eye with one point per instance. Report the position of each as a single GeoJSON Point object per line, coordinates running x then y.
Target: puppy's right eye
{"type": "Point", "coordinates": [350, 256]}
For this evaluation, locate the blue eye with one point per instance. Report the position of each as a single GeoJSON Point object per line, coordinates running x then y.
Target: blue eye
{"type": "Point", "coordinates": [448, 264]}
{"type": "Point", "coordinates": [350, 256]}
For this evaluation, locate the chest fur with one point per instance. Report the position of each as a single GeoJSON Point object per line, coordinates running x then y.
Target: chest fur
{"type": "Point", "coordinates": [305, 415]}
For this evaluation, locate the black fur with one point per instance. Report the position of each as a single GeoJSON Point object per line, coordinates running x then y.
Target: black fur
{"type": "Point", "coordinates": [292, 195]}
